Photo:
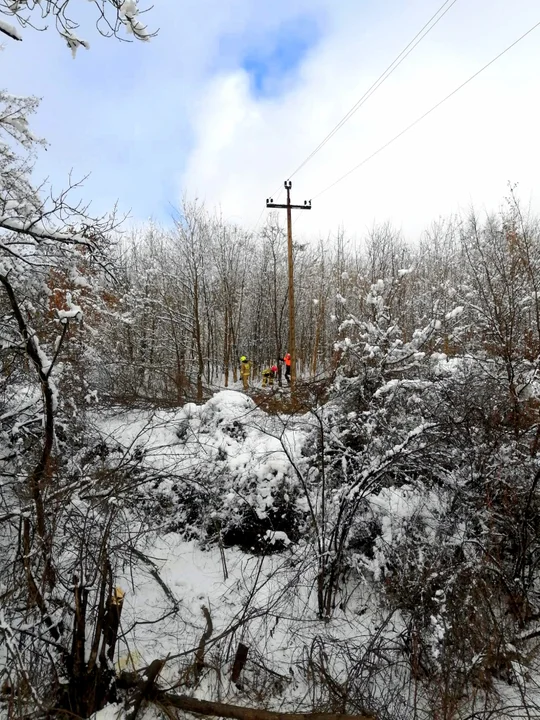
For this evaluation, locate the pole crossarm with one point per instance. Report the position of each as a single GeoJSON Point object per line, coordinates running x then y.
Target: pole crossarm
{"type": "Point", "coordinates": [305, 206]}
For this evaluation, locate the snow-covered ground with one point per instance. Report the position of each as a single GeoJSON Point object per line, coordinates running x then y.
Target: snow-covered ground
{"type": "Point", "coordinates": [206, 430]}
{"type": "Point", "coordinates": [266, 602]}
{"type": "Point", "coordinates": [252, 445]}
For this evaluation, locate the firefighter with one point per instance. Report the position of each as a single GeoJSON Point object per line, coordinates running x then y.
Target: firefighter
{"type": "Point", "coordinates": [245, 370]}
{"type": "Point", "coordinates": [287, 361]}
{"type": "Point", "coordinates": [269, 375]}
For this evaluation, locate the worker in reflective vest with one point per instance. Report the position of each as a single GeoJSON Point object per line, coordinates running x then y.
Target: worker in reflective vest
{"type": "Point", "coordinates": [245, 369]}
{"type": "Point", "coordinates": [268, 375]}
{"type": "Point", "coordinates": [287, 361]}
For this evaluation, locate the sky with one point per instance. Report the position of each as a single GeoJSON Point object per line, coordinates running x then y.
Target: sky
{"type": "Point", "coordinates": [232, 95]}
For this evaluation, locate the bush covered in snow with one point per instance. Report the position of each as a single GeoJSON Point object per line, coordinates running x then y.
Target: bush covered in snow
{"type": "Point", "coordinates": [429, 492]}
{"type": "Point", "coordinates": [234, 484]}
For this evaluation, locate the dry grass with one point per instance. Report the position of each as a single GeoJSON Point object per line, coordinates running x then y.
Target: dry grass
{"type": "Point", "coordinates": [281, 401]}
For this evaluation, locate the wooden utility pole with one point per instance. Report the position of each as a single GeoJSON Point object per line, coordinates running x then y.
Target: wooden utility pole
{"type": "Point", "coordinates": [292, 333]}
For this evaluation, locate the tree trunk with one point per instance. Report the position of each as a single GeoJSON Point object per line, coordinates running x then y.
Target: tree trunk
{"type": "Point", "coordinates": [198, 342]}
{"type": "Point", "coordinates": [236, 712]}
{"type": "Point", "coordinates": [226, 346]}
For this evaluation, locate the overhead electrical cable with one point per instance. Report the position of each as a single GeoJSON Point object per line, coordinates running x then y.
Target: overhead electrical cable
{"type": "Point", "coordinates": [425, 115]}
{"type": "Point", "coordinates": [256, 227]}
{"type": "Point", "coordinates": [420, 35]}
{"type": "Point", "coordinates": [417, 39]}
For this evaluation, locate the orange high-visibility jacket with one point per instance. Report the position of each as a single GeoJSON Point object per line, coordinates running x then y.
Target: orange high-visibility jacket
{"type": "Point", "coordinates": [287, 359]}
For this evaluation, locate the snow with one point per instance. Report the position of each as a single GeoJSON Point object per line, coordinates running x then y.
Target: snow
{"type": "Point", "coordinates": [272, 596]}
{"type": "Point", "coordinates": [10, 30]}
{"type": "Point", "coordinates": [274, 536]}
{"type": "Point", "coordinates": [405, 271]}
{"type": "Point", "coordinates": [454, 313]}
{"type": "Point", "coordinates": [129, 8]}
{"type": "Point", "coordinates": [35, 228]}
{"type": "Point", "coordinates": [110, 712]}
{"type": "Point", "coordinates": [129, 12]}
{"type": "Point", "coordinates": [73, 313]}
{"type": "Point", "coordinates": [73, 42]}
{"type": "Point", "coordinates": [228, 433]}
{"type": "Point", "coordinates": [394, 384]}
{"type": "Point", "coordinates": [196, 579]}
{"type": "Point", "coordinates": [79, 280]}
{"type": "Point", "coordinates": [195, 576]}
{"type": "Point", "coordinates": [44, 361]}
{"type": "Point", "coordinates": [228, 401]}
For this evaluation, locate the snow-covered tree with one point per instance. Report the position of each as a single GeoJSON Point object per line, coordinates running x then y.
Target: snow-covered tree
{"type": "Point", "coordinates": [58, 607]}
{"type": "Point", "coordinates": [109, 17]}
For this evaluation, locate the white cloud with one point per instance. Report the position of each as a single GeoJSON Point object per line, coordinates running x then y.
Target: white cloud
{"type": "Point", "coordinates": [464, 153]}
{"type": "Point", "coordinates": [177, 114]}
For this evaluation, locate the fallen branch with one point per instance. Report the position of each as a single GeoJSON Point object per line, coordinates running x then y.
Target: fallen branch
{"type": "Point", "coordinates": [239, 661]}
{"type": "Point", "coordinates": [157, 577]}
{"type": "Point", "coordinates": [237, 712]}
{"type": "Point", "coordinates": [130, 680]}
{"type": "Point", "coordinates": [199, 655]}
{"type": "Point", "coordinates": [146, 687]}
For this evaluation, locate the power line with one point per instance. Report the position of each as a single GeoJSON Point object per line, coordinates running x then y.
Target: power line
{"type": "Point", "coordinates": [422, 117]}
{"type": "Point", "coordinates": [380, 80]}
{"type": "Point", "coordinates": [278, 191]}
{"type": "Point", "coordinates": [420, 35]}
{"type": "Point", "coordinates": [256, 227]}
{"type": "Point", "coordinates": [259, 220]}
{"type": "Point", "coordinates": [417, 39]}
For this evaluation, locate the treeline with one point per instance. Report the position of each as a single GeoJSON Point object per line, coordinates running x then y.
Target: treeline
{"type": "Point", "coordinates": [186, 302]}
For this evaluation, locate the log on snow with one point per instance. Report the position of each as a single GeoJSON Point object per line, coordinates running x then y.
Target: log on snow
{"type": "Point", "coordinates": [237, 712]}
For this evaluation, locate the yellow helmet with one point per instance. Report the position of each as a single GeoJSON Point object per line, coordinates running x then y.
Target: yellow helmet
{"type": "Point", "coordinates": [243, 358]}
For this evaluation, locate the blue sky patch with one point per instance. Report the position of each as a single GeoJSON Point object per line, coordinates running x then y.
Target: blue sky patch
{"type": "Point", "coordinates": [273, 63]}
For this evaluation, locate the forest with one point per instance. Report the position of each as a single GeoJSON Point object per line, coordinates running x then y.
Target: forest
{"type": "Point", "coordinates": [365, 544]}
